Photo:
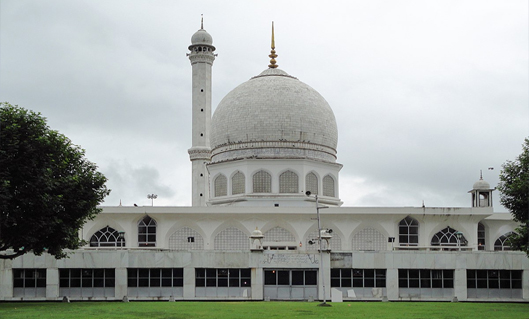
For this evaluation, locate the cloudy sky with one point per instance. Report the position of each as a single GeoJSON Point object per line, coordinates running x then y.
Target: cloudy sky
{"type": "Point", "coordinates": [426, 93]}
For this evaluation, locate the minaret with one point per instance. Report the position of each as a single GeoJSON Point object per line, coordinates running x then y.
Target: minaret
{"type": "Point", "coordinates": [201, 57]}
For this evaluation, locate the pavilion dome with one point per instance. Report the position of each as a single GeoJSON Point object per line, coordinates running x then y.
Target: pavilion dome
{"type": "Point", "coordinates": [201, 37]}
{"type": "Point", "coordinates": [481, 184]}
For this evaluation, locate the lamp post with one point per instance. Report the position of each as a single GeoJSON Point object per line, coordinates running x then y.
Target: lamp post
{"type": "Point", "coordinates": [152, 197]}
{"type": "Point", "coordinates": [308, 193]}
{"type": "Point", "coordinates": [458, 236]}
{"type": "Point", "coordinates": [121, 237]}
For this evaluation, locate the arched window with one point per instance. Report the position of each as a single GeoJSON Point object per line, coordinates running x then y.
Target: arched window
{"type": "Point", "coordinates": [231, 238]}
{"type": "Point", "coordinates": [186, 239]}
{"type": "Point", "coordinates": [448, 237]}
{"type": "Point", "coordinates": [262, 182]}
{"type": "Point", "coordinates": [107, 237]}
{"type": "Point", "coordinates": [288, 182]}
{"type": "Point", "coordinates": [481, 236]}
{"type": "Point", "coordinates": [328, 186]}
{"type": "Point", "coordinates": [238, 185]}
{"type": "Point", "coordinates": [221, 186]}
{"type": "Point", "coordinates": [409, 232]}
{"type": "Point", "coordinates": [147, 232]}
{"type": "Point", "coordinates": [503, 243]}
{"type": "Point", "coordinates": [369, 239]}
{"type": "Point", "coordinates": [311, 183]}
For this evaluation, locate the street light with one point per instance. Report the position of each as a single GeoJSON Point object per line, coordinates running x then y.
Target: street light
{"type": "Point", "coordinates": [308, 193]}
{"type": "Point", "coordinates": [152, 197]}
{"type": "Point", "coordinates": [458, 236]}
{"type": "Point", "coordinates": [121, 237]}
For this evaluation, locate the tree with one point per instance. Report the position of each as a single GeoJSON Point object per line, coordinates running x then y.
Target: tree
{"type": "Point", "coordinates": [48, 189]}
{"type": "Point", "coordinates": [514, 195]}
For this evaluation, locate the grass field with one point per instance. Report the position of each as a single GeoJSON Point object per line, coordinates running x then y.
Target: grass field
{"type": "Point", "coordinates": [250, 310]}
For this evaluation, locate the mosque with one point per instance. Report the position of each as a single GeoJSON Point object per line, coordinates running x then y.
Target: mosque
{"type": "Point", "coordinates": [267, 222]}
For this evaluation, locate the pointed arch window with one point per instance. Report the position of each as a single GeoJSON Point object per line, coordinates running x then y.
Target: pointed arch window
{"type": "Point", "coordinates": [238, 185]}
{"type": "Point", "coordinates": [481, 236]}
{"type": "Point", "coordinates": [328, 186]}
{"type": "Point", "coordinates": [503, 243]}
{"type": "Point", "coordinates": [448, 237]}
{"type": "Point", "coordinates": [288, 182]}
{"type": "Point", "coordinates": [409, 232]}
{"type": "Point", "coordinates": [107, 237]}
{"type": "Point", "coordinates": [147, 232]}
{"type": "Point", "coordinates": [262, 182]}
{"type": "Point", "coordinates": [311, 183]}
{"type": "Point", "coordinates": [221, 186]}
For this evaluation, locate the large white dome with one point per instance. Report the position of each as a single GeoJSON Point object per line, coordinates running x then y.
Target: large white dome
{"type": "Point", "coordinates": [274, 115]}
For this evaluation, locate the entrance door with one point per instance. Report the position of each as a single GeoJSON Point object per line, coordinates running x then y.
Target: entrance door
{"type": "Point", "coordinates": [291, 284]}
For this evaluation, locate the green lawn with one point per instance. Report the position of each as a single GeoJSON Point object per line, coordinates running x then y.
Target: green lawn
{"type": "Point", "coordinates": [249, 310]}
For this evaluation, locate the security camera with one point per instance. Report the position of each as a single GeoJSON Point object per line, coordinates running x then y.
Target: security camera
{"type": "Point", "coordinates": [311, 242]}
{"type": "Point", "coordinates": [329, 231]}
{"type": "Point", "coordinates": [308, 193]}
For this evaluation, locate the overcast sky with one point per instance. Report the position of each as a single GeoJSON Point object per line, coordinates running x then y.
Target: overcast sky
{"type": "Point", "coordinates": [425, 93]}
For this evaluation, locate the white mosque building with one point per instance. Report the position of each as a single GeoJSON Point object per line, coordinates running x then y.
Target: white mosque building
{"type": "Point", "coordinates": [263, 170]}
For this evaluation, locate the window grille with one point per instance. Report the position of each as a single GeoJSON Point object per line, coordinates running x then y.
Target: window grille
{"type": "Point", "coordinates": [278, 234]}
{"type": "Point", "coordinates": [311, 183]}
{"type": "Point", "coordinates": [262, 182]}
{"type": "Point", "coordinates": [369, 239]}
{"type": "Point", "coordinates": [288, 182]}
{"type": "Point", "coordinates": [186, 239]}
{"type": "Point", "coordinates": [221, 186]}
{"type": "Point", "coordinates": [238, 184]}
{"type": "Point", "coordinates": [328, 186]}
{"type": "Point", "coordinates": [231, 238]}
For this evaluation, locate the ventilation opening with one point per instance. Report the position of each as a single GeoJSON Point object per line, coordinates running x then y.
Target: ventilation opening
{"type": "Point", "coordinates": [276, 205]}
{"type": "Point", "coordinates": [201, 90]}
{"type": "Point", "coordinates": [201, 110]}
{"type": "Point", "coordinates": [201, 134]}
{"type": "Point", "coordinates": [200, 194]}
{"type": "Point", "coordinates": [201, 174]}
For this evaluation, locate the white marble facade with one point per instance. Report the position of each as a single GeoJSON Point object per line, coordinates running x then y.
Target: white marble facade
{"type": "Point", "coordinates": [251, 233]}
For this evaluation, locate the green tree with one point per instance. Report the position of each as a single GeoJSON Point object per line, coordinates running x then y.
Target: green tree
{"type": "Point", "coordinates": [48, 189]}
{"type": "Point", "coordinates": [514, 189]}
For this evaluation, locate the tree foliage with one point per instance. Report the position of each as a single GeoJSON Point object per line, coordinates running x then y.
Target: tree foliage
{"type": "Point", "coordinates": [514, 189]}
{"type": "Point", "coordinates": [48, 189]}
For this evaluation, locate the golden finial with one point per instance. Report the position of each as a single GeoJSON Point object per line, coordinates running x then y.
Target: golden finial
{"type": "Point", "coordinates": [202, 22]}
{"type": "Point", "coordinates": [273, 54]}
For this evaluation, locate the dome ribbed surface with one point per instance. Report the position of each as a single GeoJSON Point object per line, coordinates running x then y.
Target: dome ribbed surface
{"type": "Point", "coordinates": [274, 107]}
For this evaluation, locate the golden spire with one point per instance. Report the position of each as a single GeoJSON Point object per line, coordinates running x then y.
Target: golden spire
{"type": "Point", "coordinates": [202, 22]}
{"type": "Point", "coordinates": [273, 54]}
